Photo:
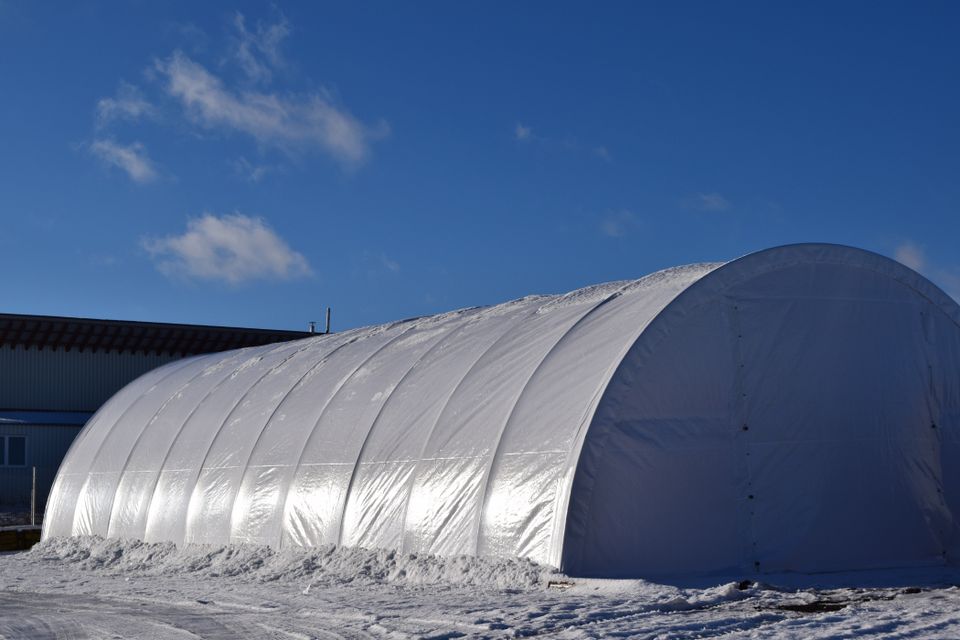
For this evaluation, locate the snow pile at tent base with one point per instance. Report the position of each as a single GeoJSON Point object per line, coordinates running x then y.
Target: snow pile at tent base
{"type": "Point", "coordinates": [90, 587]}
{"type": "Point", "coordinates": [329, 564]}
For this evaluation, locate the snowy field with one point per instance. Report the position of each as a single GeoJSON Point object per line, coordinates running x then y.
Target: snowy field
{"type": "Point", "coordinates": [94, 588]}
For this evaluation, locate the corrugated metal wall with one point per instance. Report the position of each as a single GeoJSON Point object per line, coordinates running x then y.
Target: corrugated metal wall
{"type": "Point", "coordinates": [46, 447]}
{"type": "Point", "coordinates": [58, 380]}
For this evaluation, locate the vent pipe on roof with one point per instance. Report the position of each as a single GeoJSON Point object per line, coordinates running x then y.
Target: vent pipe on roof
{"type": "Point", "coordinates": [312, 325]}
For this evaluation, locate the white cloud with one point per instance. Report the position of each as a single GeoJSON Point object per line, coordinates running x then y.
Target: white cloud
{"type": "Point", "coordinates": [258, 53]}
{"type": "Point", "coordinates": [524, 134]}
{"type": "Point", "coordinates": [250, 171]}
{"type": "Point", "coordinates": [375, 265]}
{"type": "Point", "coordinates": [390, 265]}
{"type": "Point", "coordinates": [233, 248]}
{"type": "Point", "coordinates": [286, 122]}
{"type": "Point", "coordinates": [131, 158]}
{"type": "Point", "coordinates": [128, 104]}
{"type": "Point", "coordinates": [618, 224]}
{"type": "Point", "coordinates": [911, 255]}
{"type": "Point", "coordinates": [708, 202]}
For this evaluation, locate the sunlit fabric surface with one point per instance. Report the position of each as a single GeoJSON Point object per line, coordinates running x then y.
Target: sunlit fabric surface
{"type": "Point", "coordinates": [795, 409]}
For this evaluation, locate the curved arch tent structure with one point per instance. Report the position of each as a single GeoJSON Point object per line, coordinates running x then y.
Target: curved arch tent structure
{"type": "Point", "coordinates": [795, 409]}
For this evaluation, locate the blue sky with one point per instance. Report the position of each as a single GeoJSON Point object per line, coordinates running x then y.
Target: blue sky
{"type": "Point", "coordinates": [251, 163]}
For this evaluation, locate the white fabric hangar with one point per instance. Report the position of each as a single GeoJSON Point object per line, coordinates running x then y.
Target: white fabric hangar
{"type": "Point", "coordinates": [797, 409]}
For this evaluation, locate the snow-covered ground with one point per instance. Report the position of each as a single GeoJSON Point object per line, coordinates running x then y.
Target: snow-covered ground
{"type": "Point", "coordinates": [95, 588]}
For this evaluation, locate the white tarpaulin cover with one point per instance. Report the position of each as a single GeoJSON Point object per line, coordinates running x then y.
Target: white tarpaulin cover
{"type": "Point", "coordinates": [795, 409]}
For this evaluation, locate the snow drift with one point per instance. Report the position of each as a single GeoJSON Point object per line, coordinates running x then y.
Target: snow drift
{"type": "Point", "coordinates": [797, 409]}
{"type": "Point", "coordinates": [327, 565]}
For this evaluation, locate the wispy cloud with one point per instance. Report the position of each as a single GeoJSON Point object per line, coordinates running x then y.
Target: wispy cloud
{"type": "Point", "coordinates": [375, 265]}
{"type": "Point", "coordinates": [250, 171]}
{"type": "Point", "coordinates": [523, 133]}
{"type": "Point", "coordinates": [603, 153]}
{"type": "Point", "coordinates": [911, 255]}
{"type": "Point", "coordinates": [289, 123]}
{"type": "Point", "coordinates": [127, 104]}
{"type": "Point", "coordinates": [914, 256]}
{"type": "Point", "coordinates": [131, 158]}
{"type": "Point", "coordinates": [707, 202]}
{"type": "Point", "coordinates": [389, 264]}
{"type": "Point", "coordinates": [246, 103]}
{"type": "Point", "coordinates": [258, 52]}
{"type": "Point", "coordinates": [618, 223]}
{"type": "Point", "coordinates": [232, 248]}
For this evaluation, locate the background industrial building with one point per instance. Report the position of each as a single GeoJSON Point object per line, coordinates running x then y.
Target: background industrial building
{"type": "Point", "coordinates": [55, 372]}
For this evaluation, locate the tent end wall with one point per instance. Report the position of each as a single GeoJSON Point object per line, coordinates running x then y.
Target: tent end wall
{"type": "Point", "coordinates": [776, 417]}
